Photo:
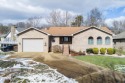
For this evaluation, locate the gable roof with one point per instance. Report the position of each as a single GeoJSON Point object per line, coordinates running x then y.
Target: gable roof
{"type": "Point", "coordinates": [70, 31]}
{"type": "Point", "coordinates": [120, 36]}
{"type": "Point", "coordinates": [31, 28]}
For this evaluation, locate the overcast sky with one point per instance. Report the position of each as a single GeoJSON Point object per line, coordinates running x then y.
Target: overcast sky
{"type": "Point", "coordinates": [12, 11]}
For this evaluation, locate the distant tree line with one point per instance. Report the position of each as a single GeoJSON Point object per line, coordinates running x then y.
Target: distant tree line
{"type": "Point", "coordinates": [94, 18]}
{"type": "Point", "coordinates": [118, 26]}
{"type": "Point", "coordinates": [57, 18]}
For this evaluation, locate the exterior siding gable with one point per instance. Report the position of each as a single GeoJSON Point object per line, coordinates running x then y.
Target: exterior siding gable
{"type": "Point", "coordinates": [80, 40]}
{"type": "Point", "coordinates": [31, 29]}
{"type": "Point", "coordinates": [89, 29]}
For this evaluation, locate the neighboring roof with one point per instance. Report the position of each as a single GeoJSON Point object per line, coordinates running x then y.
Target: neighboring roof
{"type": "Point", "coordinates": [120, 36]}
{"type": "Point", "coordinates": [18, 29]}
{"type": "Point", "coordinates": [31, 28]}
{"type": "Point", "coordinates": [70, 31]}
{"type": "Point", "coordinates": [3, 35]}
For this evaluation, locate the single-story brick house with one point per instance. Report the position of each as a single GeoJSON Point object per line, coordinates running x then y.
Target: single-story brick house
{"type": "Point", "coordinates": [78, 38]}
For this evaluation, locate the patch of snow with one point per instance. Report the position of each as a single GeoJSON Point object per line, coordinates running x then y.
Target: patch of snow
{"type": "Point", "coordinates": [5, 56]}
{"type": "Point", "coordinates": [34, 72]}
{"type": "Point", "coordinates": [2, 79]}
{"type": "Point", "coordinates": [120, 68]}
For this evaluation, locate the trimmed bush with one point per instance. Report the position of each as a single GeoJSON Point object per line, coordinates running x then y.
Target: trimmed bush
{"type": "Point", "coordinates": [89, 50]}
{"type": "Point", "coordinates": [103, 50]}
{"type": "Point", "coordinates": [110, 51]}
{"type": "Point", "coordinates": [95, 50]}
{"type": "Point", "coordinates": [57, 49]}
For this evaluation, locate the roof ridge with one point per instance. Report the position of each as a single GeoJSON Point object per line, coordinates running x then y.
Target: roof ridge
{"type": "Point", "coordinates": [69, 32]}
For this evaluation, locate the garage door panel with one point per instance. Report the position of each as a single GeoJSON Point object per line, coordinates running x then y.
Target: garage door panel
{"type": "Point", "coordinates": [32, 45]}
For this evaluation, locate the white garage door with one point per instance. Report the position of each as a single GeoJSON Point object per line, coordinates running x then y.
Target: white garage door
{"type": "Point", "coordinates": [32, 45]}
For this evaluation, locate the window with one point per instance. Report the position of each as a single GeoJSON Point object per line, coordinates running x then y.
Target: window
{"type": "Point", "coordinates": [66, 39]}
{"type": "Point", "coordinates": [99, 40]}
{"type": "Point", "coordinates": [90, 41]}
{"type": "Point", "coordinates": [107, 40]}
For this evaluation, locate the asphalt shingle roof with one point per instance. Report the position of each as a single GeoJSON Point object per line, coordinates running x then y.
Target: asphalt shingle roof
{"type": "Point", "coordinates": [68, 31]}
{"type": "Point", "coordinates": [120, 36]}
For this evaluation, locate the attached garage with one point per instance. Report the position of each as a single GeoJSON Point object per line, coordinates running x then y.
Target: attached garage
{"type": "Point", "coordinates": [33, 40]}
{"type": "Point", "coordinates": [32, 45]}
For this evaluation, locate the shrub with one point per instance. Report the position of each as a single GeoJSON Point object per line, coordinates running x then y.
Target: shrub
{"type": "Point", "coordinates": [95, 50]}
{"type": "Point", "coordinates": [110, 51]}
{"type": "Point", "coordinates": [89, 50]}
{"type": "Point", "coordinates": [114, 50]}
{"type": "Point", "coordinates": [103, 50]}
{"type": "Point", "coordinates": [57, 49]}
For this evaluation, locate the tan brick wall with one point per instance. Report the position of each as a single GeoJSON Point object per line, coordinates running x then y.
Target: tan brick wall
{"type": "Point", "coordinates": [56, 41]}
{"type": "Point", "coordinates": [80, 41]}
{"type": "Point", "coordinates": [33, 34]}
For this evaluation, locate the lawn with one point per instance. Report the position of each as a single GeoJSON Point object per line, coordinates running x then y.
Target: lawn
{"type": "Point", "coordinates": [104, 61]}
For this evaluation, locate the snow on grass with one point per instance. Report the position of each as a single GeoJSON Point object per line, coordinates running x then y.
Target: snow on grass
{"type": "Point", "coordinates": [120, 68]}
{"type": "Point", "coordinates": [29, 71]}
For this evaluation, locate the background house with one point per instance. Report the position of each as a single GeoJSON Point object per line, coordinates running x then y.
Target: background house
{"type": "Point", "coordinates": [9, 41]}
{"type": "Point", "coordinates": [119, 40]}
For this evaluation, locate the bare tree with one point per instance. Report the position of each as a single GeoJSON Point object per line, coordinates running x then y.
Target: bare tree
{"type": "Point", "coordinates": [118, 26]}
{"type": "Point", "coordinates": [95, 18]}
{"type": "Point", "coordinates": [58, 18]}
{"type": "Point", "coordinates": [4, 29]}
{"type": "Point", "coordinates": [54, 18]}
{"type": "Point", "coordinates": [21, 24]}
{"type": "Point", "coordinates": [67, 18]}
{"type": "Point", "coordinates": [34, 21]}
